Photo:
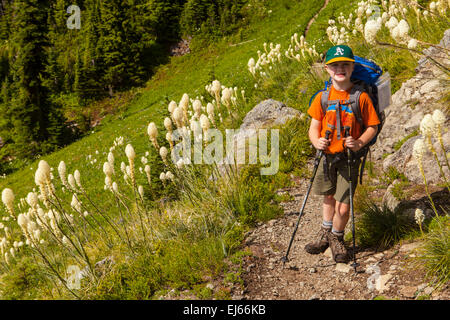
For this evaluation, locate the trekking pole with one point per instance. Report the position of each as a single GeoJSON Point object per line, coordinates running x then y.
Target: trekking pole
{"type": "Point", "coordinates": [316, 165]}
{"type": "Point", "coordinates": [349, 160]}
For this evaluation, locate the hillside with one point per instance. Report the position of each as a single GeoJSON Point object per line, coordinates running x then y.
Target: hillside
{"type": "Point", "coordinates": [138, 226]}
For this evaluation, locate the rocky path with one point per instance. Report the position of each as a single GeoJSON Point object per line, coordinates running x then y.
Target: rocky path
{"type": "Point", "coordinates": [386, 274]}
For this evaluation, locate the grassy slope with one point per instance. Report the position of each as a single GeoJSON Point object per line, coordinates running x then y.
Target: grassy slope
{"type": "Point", "coordinates": [188, 74]}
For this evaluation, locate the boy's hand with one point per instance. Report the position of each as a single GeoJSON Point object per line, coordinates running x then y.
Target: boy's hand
{"type": "Point", "coordinates": [322, 143]}
{"type": "Point", "coordinates": [352, 144]}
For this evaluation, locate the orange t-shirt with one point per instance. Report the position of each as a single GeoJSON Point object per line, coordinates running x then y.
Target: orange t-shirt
{"type": "Point", "coordinates": [347, 118]}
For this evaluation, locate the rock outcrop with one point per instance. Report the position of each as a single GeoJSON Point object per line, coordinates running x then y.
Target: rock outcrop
{"type": "Point", "coordinates": [418, 96]}
{"type": "Point", "coordinates": [265, 115]}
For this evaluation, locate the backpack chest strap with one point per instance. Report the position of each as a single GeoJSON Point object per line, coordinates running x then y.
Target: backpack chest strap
{"type": "Point", "coordinates": [353, 101]}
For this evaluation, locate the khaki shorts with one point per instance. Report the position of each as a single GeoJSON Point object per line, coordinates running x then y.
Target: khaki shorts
{"type": "Point", "coordinates": [338, 183]}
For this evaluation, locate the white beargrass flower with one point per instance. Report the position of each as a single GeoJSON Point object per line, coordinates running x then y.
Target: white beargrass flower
{"type": "Point", "coordinates": [32, 199]}
{"type": "Point", "coordinates": [152, 132]}
{"type": "Point", "coordinates": [170, 176]}
{"type": "Point", "coordinates": [251, 66]}
{"type": "Point", "coordinates": [62, 172]}
{"type": "Point", "coordinates": [43, 165]}
{"type": "Point", "coordinates": [210, 112]}
{"type": "Point", "coordinates": [178, 117]}
{"type": "Point", "coordinates": [427, 125]}
{"type": "Point", "coordinates": [77, 177]}
{"type": "Point", "coordinates": [39, 177]}
{"type": "Point", "coordinates": [204, 122]}
{"type": "Point", "coordinates": [71, 180]}
{"type": "Point", "coordinates": [438, 117]}
{"type": "Point", "coordinates": [180, 163]}
{"type": "Point", "coordinates": [162, 176]}
{"type": "Point", "coordinates": [141, 191]}
{"type": "Point", "coordinates": [412, 44]}
{"type": "Point", "coordinates": [172, 106]}
{"type": "Point", "coordinates": [432, 6]}
{"type": "Point", "coordinates": [403, 29]}
{"type": "Point", "coordinates": [197, 106]}
{"type": "Point", "coordinates": [215, 88]}
{"type": "Point", "coordinates": [168, 124]}
{"type": "Point", "coordinates": [22, 221]}
{"type": "Point", "coordinates": [370, 31]}
{"type": "Point", "coordinates": [169, 139]}
{"type": "Point", "coordinates": [210, 109]}
{"type": "Point", "coordinates": [226, 96]}
{"type": "Point", "coordinates": [108, 182]}
{"type": "Point", "coordinates": [8, 200]}
{"type": "Point", "coordinates": [184, 102]}
{"type": "Point", "coordinates": [395, 34]}
{"type": "Point", "coordinates": [163, 153]}
{"type": "Point", "coordinates": [75, 204]}
{"type": "Point", "coordinates": [111, 161]}
{"type": "Point", "coordinates": [392, 23]}
{"type": "Point", "coordinates": [419, 150]}
{"type": "Point", "coordinates": [115, 188]}
{"type": "Point", "coordinates": [107, 170]}
{"type": "Point", "coordinates": [419, 216]}
{"type": "Point", "coordinates": [129, 151]}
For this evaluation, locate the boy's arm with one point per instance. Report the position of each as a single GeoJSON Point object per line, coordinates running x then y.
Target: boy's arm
{"type": "Point", "coordinates": [364, 139]}
{"type": "Point", "coordinates": [318, 142]}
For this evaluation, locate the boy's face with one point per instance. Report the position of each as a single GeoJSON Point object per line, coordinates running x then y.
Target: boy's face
{"type": "Point", "coordinates": [340, 71]}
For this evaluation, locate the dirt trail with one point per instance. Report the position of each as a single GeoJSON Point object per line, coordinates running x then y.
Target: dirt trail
{"type": "Point", "coordinates": [308, 276]}
{"type": "Point", "coordinates": [315, 17]}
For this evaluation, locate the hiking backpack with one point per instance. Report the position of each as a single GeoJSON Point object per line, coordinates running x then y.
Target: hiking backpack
{"type": "Point", "coordinates": [367, 77]}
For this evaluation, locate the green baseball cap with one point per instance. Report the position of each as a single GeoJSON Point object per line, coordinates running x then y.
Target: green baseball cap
{"type": "Point", "coordinates": [339, 53]}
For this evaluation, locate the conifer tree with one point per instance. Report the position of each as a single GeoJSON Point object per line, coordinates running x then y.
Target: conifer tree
{"type": "Point", "coordinates": [30, 107]}
{"type": "Point", "coordinates": [112, 43]}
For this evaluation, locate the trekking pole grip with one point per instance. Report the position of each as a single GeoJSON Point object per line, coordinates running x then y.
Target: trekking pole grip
{"type": "Point", "coordinates": [327, 136]}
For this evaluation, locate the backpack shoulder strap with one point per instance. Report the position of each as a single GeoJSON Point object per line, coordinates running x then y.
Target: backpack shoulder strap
{"type": "Point", "coordinates": [355, 94]}
{"type": "Point", "coordinates": [324, 100]}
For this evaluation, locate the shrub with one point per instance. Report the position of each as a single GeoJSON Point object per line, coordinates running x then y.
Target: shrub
{"type": "Point", "coordinates": [381, 226]}
{"type": "Point", "coordinates": [434, 254]}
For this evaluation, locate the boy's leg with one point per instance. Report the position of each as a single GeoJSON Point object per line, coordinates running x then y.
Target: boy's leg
{"type": "Point", "coordinates": [329, 207]}
{"type": "Point", "coordinates": [342, 211]}
{"type": "Point", "coordinates": [321, 242]}
{"type": "Point", "coordinates": [327, 188]}
{"type": "Point", "coordinates": [341, 216]}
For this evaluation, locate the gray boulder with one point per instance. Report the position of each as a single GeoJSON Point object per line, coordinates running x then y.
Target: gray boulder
{"type": "Point", "coordinates": [265, 115]}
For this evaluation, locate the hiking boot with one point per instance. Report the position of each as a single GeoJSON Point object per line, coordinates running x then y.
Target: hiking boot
{"type": "Point", "coordinates": [321, 244]}
{"type": "Point", "coordinates": [338, 249]}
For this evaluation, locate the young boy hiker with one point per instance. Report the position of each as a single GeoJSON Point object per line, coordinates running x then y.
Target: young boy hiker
{"type": "Point", "coordinates": [332, 179]}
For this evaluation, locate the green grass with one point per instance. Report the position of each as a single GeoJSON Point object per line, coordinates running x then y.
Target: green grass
{"type": "Point", "coordinates": [399, 143]}
{"type": "Point", "coordinates": [434, 254]}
